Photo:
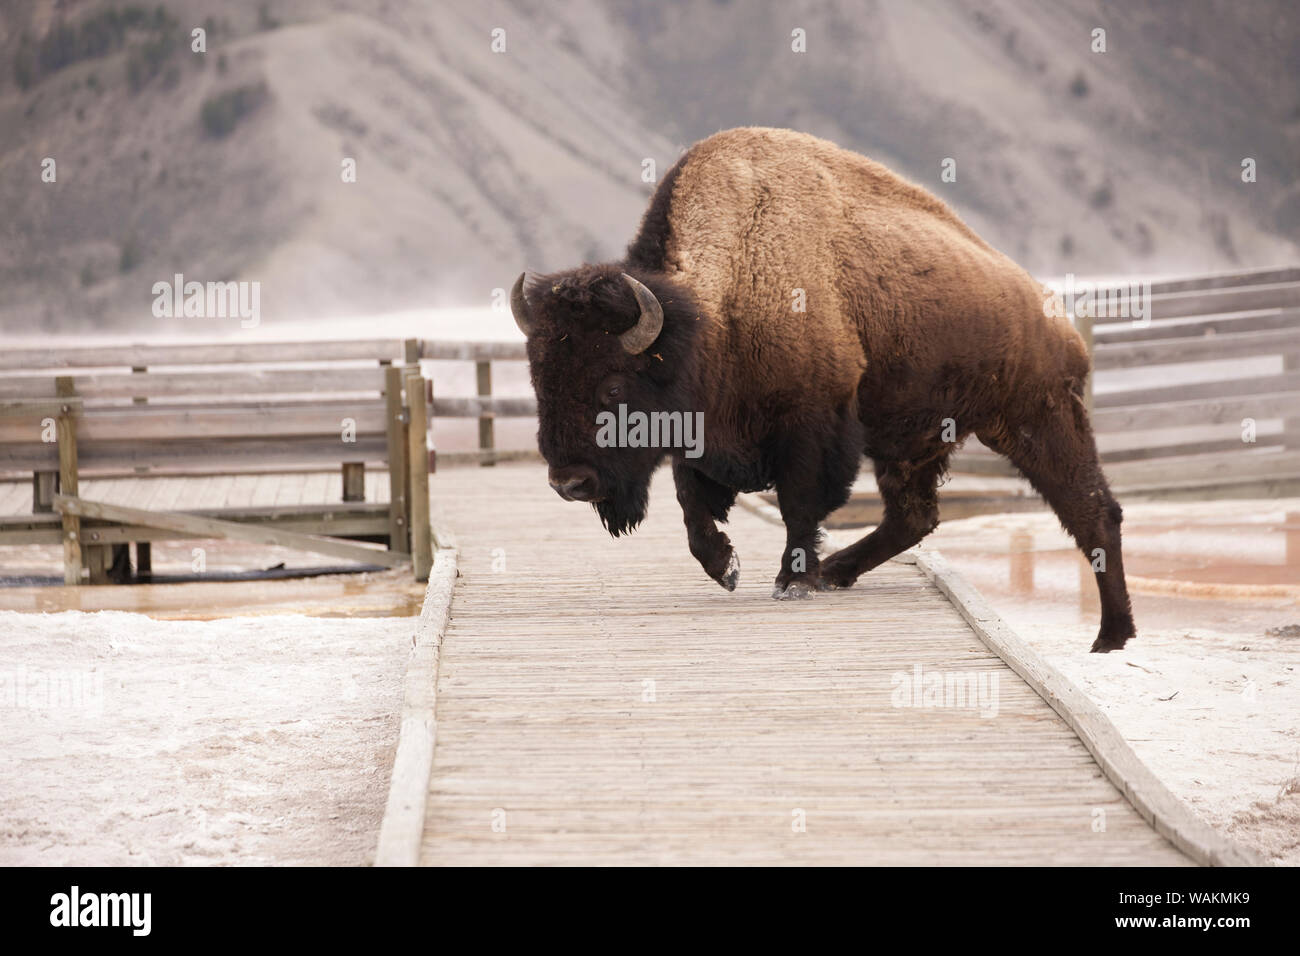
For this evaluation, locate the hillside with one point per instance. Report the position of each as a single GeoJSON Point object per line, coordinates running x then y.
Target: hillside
{"type": "Point", "coordinates": [473, 164]}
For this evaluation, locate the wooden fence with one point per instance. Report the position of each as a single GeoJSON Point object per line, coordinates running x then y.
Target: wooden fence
{"type": "Point", "coordinates": [483, 405]}
{"type": "Point", "coordinates": [1231, 432]}
{"type": "Point", "coordinates": [1252, 420]}
{"type": "Point", "coordinates": [220, 409]}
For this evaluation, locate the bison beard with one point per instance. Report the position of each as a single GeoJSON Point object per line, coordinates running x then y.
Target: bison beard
{"type": "Point", "coordinates": [625, 508]}
{"type": "Point", "coordinates": [814, 308]}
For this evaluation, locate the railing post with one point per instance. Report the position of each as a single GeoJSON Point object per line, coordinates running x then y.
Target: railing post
{"type": "Point", "coordinates": [486, 421]}
{"type": "Point", "coordinates": [139, 370]}
{"type": "Point", "coordinates": [354, 481]}
{"type": "Point", "coordinates": [417, 451]}
{"type": "Point", "coordinates": [399, 510]}
{"type": "Point", "coordinates": [97, 563]}
{"type": "Point", "coordinates": [411, 349]}
{"type": "Point", "coordinates": [66, 431]}
{"type": "Point", "coordinates": [143, 549]}
{"type": "Point", "coordinates": [1084, 326]}
{"type": "Point", "coordinates": [44, 486]}
{"type": "Point", "coordinates": [1291, 425]}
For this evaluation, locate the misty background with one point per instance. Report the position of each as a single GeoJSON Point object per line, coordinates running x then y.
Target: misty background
{"type": "Point", "coordinates": [473, 164]}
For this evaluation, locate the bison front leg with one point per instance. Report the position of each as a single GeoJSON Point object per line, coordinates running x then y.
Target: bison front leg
{"type": "Point", "coordinates": [702, 500]}
{"type": "Point", "coordinates": [814, 477]}
{"type": "Point", "coordinates": [800, 574]}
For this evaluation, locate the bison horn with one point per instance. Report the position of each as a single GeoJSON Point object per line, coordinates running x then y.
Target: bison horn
{"type": "Point", "coordinates": [519, 306]}
{"type": "Point", "coordinates": [638, 338]}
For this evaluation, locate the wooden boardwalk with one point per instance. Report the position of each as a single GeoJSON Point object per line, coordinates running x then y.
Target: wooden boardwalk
{"type": "Point", "coordinates": [602, 702]}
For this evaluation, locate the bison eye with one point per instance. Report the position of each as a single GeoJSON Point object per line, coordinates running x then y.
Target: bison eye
{"type": "Point", "coordinates": [612, 393]}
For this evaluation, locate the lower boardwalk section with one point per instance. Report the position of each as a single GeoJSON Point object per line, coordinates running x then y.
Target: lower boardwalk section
{"type": "Point", "coordinates": [603, 702]}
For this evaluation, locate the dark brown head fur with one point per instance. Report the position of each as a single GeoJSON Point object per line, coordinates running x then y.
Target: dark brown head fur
{"type": "Point", "coordinates": [579, 370]}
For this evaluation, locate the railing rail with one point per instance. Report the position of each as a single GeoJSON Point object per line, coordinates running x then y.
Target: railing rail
{"type": "Point", "coordinates": [1141, 425]}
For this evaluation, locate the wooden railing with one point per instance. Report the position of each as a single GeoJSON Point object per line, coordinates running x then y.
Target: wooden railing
{"type": "Point", "coordinates": [1234, 316]}
{"type": "Point", "coordinates": [1238, 316]}
{"type": "Point", "coordinates": [1231, 316]}
{"type": "Point", "coordinates": [483, 405]}
{"type": "Point", "coordinates": [218, 409]}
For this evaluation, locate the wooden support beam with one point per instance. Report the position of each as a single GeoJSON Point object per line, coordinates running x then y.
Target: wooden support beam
{"type": "Point", "coordinates": [42, 407]}
{"type": "Point", "coordinates": [1197, 412]}
{"type": "Point", "coordinates": [138, 370]}
{"type": "Point", "coordinates": [399, 507]}
{"type": "Point", "coordinates": [119, 568]}
{"type": "Point", "coordinates": [1291, 424]}
{"type": "Point", "coordinates": [474, 351]}
{"type": "Point", "coordinates": [66, 431]}
{"type": "Point", "coordinates": [1227, 280]}
{"type": "Point", "coordinates": [1264, 321]}
{"type": "Point", "coordinates": [411, 349]}
{"type": "Point", "coordinates": [1084, 326]}
{"type": "Point", "coordinates": [217, 353]}
{"type": "Point", "coordinates": [97, 563]}
{"type": "Point", "coordinates": [471, 457]}
{"type": "Point", "coordinates": [192, 421]}
{"type": "Point", "coordinates": [354, 481]}
{"type": "Point", "coordinates": [417, 454]}
{"type": "Point", "coordinates": [519, 407]}
{"type": "Point", "coordinates": [198, 526]}
{"type": "Point", "coordinates": [1206, 348]}
{"type": "Point", "coordinates": [330, 521]}
{"type": "Point", "coordinates": [45, 484]}
{"type": "Point", "coordinates": [486, 438]}
{"type": "Point", "coordinates": [218, 386]}
{"type": "Point", "coordinates": [1207, 391]}
{"type": "Point", "coordinates": [217, 456]}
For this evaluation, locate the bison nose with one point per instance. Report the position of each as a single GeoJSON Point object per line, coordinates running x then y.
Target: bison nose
{"type": "Point", "coordinates": [574, 484]}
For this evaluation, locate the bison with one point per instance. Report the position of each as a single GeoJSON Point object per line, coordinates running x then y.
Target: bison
{"type": "Point", "coordinates": [813, 308]}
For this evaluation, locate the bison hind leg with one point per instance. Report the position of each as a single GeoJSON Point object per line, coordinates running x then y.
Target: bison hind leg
{"type": "Point", "coordinates": [911, 498]}
{"type": "Point", "coordinates": [1059, 457]}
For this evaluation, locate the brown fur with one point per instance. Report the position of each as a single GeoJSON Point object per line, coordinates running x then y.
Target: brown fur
{"type": "Point", "coordinates": [911, 319]}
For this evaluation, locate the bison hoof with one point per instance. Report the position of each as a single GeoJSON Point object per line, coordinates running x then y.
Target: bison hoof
{"type": "Point", "coordinates": [731, 576]}
{"type": "Point", "coordinates": [1104, 644]}
{"type": "Point", "coordinates": [795, 591]}
{"type": "Point", "coordinates": [838, 573]}
{"type": "Point", "coordinates": [798, 588]}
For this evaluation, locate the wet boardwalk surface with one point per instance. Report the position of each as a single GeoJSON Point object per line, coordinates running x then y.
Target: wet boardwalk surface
{"type": "Point", "coordinates": [603, 702]}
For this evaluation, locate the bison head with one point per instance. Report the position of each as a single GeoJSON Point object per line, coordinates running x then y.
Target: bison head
{"type": "Point", "coordinates": [598, 339]}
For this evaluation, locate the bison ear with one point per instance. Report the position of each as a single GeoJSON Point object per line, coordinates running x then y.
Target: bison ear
{"type": "Point", "coordinates": [519, 307]}
{"type": "Point", "coordinates": [639, 338]}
